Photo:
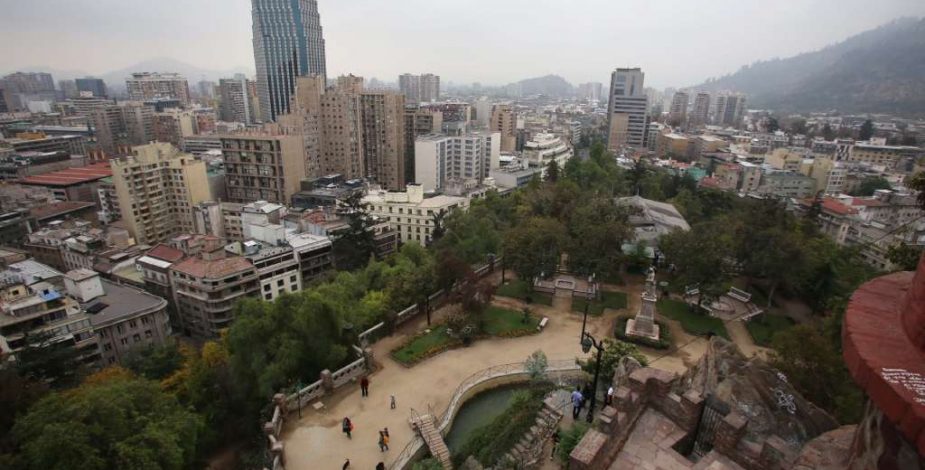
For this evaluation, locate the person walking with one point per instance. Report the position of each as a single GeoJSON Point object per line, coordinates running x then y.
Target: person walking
{"type": "Point", "coordinates": [382, 445]}
{"type": "Point", "coordinates": [392, 402]}
{"type": "Point", "coordinates": [364, 386]}
{"type": "Point", "coordinates": [347, 428]}
{"type": "Point", "coordinates": [555, 444]}
{"type": "Point", "coordinates": [346, 465]}
{"type": "Point", "coordinates": [385, 438]}
{"type": "Point", "coordinates": [380, 466]}
{"type": "Point", "coordinates": [608, 400]}
{"type": "Point", "coordinates": [577, 400]}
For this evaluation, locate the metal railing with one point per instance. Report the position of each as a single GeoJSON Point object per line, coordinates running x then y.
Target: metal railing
{"type": "Point", "coordinates": [484, 375]}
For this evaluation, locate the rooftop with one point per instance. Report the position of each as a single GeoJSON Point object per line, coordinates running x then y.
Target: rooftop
{"type": "Point", "coordinates": [122, 302]}
{"type": "Point", "coordinates": [165, 253]}
{"type": "Point", "coordinates": [213, 269]}
{"type": "Point", "coordinates": [58, 209]}
{"type": "Point", "coordinates": [71, 176]}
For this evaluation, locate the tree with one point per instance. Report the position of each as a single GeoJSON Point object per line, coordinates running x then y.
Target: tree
{"type": "Point", "coordinates": [814, 366]}
{"type": "Point", "coordinates": [614, 352]}
{"type": "Point", "coordinates": [798, 126]}
{"type": "Point", "coordinates": [44, 358]}
{"type": "Point", "coordinates": [120, 423]}
{"type": "Point", "coordinates": [871, 184]}
{"type": "Point", "coordinates": [905, 257]}
{"type": "Point", "coordinates": [438, 230]}
{"type": "Point", "coordinates": [552, 171]}
{"type": "Point", "coordinates": [155, 362]}
{"type": "Point", "coordinates": [701, 257]}
{"type": "Point", "coordinates": [866, 131]}
{"type": "Point", "coordinates": [597, 231]}
{"type": "Point", "coordinates": [917, 183]}
{"type": "Point", "coordinates": [17, 394]}
{"type": "Point", "coordinates": [533, 247]}
{"type": "Point", "coordinates": [772, 125]}
{"type": "Point", "coordinates": [354, 245]}
{"type": "Point", "coordinates": [536, 365]}
{"type": "Point", "coordinates": [570, 439]}
{"type": "Point", "coordinates": [827, 132]}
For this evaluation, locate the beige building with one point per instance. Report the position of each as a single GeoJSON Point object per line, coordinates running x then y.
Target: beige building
{"type": "Point", "coordinates": [263, 167]}
{"type": "Point", "coordinates": [786, 159]}
{"type": "Point", "coordinates": [504, 121]}
{"type": "Point", "coordinates": [383, 125]}
{"type": "Point", "coordinates": [674, 146]}
{"type": "Point", "coordinates": [618, 132]}
{"type": "Point", "coordinates": [150, 86]}
{"type": "Point", "coordinates": [876, 152]}
{"type": "Point", "coordinates": [410, 213]}
{"type": "Point", "coordinates": [157, 187]}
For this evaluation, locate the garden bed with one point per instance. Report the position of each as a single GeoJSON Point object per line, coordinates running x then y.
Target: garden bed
{"type": "Point", "coordinates": [697, 324]}
{"type": "Point", "coordinates": [763, 327]}
{"type": "Point", "coordinates": [497, 322]}
{"type": "Point", "coordinates": [612, 300]}
{"type": "Point", "coordinates": [521, 290]}
{"type": "Point", "coordinates": [663, 342]}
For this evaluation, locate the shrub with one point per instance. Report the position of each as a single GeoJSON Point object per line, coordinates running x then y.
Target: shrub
{"type": "Point", "coordinates": [570, 438]}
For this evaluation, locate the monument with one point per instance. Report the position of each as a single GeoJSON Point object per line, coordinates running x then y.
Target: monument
{"type": "Point", "coordinates": [644, 324]}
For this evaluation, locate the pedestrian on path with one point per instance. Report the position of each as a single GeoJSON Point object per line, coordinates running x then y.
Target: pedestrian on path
{"type": "Point", "coordinates": [608, 400]}
{"type": "Point", "coordinates": [382, 445]}
{"type": "Point", "coordinates": [385, 439]}
{"type": "Point", "coordinates": [386, 432]}
{"type": "Point", "coordinates": [555, 444]}
{"type": "Point", "coordinates": [392, 402]}
{"type": "Point", "coordinates": [380, 466]}
{"type": "Point", "coordinates": [346, 465]}
{"type": "Point", "coordinates": [364, 386]}
{"type": "Point", "coordinates": [577, 400]}
{"type": "Point", "coordinates": [347, 427]}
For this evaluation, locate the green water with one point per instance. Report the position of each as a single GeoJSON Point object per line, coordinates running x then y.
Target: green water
{"type": "Point", "coordinates": [477, 412]}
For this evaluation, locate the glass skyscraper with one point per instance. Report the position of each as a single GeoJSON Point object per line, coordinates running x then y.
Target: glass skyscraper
{"type": "Point", "coordinates": [287, 43]}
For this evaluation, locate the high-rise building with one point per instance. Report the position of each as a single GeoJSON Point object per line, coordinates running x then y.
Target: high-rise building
{"type": "Point", "coordinates": [235, 100]}
{"type": "Point", "coordinates": [382, 117]}
{"type": "Point", "coordinates": [95, 86]}
{"type": "Point", "coordinates": [467, 159]}
{"type": "Point", "coordinates": [173, 125]}
{"type": "Point", "coordinates": [68, 89]}
{"type": "Point", "coordinates": [627, 109]}
{"type": "Point", "coordinates": [729, 110]}
{"type": "Point", "coordinates": [263, 167]}
{"type": "Point", "coordinates": [148, 86]}
{"type": "Point", "coordinates": [205, 89]}
{"type": "Point", "coordinates": [423, 88]}
{"type": "Point", "coordinates": [482, 108]}
{"type": "Point", "coordinates": [592, 91]}
{"type": "Point", "coordinates": [20, 88]}
{"type": "Point", "coordinates": [157, 187]}
{"type": "Point", "coordinates": [677, 113]}
{"type": "Point", "coordinates": [700, 114]}
{"type": "Point", "coordinates": [288, 43]}
{"type": "Point", "coordinates": [504, 121]}
{"type": "Point", "coordinates": [418, 123]}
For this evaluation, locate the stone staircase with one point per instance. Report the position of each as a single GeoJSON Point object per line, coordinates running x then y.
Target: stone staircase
{"type": "Point", "coordinates": [529, 450]}
{"type": "Point", "coordinates": [434, 440]}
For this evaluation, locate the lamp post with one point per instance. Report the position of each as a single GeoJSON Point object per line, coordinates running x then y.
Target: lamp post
{"type": "Point", "coordinates": [587, 342]}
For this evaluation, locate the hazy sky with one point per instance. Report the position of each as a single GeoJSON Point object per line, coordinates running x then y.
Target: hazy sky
{"type": "Point", "coordinates": [676, 42]}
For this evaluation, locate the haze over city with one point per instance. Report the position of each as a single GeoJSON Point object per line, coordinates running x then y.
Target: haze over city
{"type": "Point", "coordinates": [677, 42]}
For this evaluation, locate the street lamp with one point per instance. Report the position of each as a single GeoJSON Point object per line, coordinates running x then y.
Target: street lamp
{"type": "Point", "coordinates": [587, 342]}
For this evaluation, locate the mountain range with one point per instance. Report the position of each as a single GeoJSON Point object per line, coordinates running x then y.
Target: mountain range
{"type": "Point", "coordinates": [877, 71]}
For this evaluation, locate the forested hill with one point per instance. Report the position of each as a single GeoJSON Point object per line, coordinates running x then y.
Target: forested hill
{"type": "Point", "coordinates": [878, 71]}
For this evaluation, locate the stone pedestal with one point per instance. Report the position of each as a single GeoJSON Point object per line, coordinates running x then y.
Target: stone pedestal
{"type": "Point", "coordinates": [644, 324]}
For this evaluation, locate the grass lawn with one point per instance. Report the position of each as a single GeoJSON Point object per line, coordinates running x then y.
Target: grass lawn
{"type": "Point", "coordinates": [763, 327]}
{"type": "Point", "coordinates": [420, 346]}
{"type": "Point", "coordinates": [693, 323]}
{"type": "Point", "coordinates": [614, 300]}
{"type": "Point", "coordinates": [503, 322]}
{"type": "Point", "coordinates": [518, 289]}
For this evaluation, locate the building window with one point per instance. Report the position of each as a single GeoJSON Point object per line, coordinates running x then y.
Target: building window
{"type": "Point", "coordinates": [124, 341]}
{"type": "Point", "coordinates": [279, 283]}
{"type": "Point", "coordinates": [266, 288]}
{"type": "Point", "coordinates": [268, 296]}
{"type": "Point", "coordinates": [136, 337]}
{"type": "Point", "coordinates": [148, 334]}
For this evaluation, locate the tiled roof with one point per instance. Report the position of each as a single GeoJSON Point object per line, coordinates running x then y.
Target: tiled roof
{"type": "Point", "coordinates": [58, 209]}
{"type": "Point", "coordinates": [71, 176]}
{"type": "Point", "coordinates": [835, 207]}
{"type": "Point", "coordinates": [166, 253]}
{"type": "Point", "coordinates": [214, 269]}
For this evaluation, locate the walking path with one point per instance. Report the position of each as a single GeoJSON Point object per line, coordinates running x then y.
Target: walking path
{"type": "Point", "coordinates": [315, 441]}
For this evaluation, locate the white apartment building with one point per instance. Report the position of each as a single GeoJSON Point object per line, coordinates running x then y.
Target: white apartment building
{"type": "Point", "coordinates": [410, 213]}
{"type": "Point", "coordinates": [544, 148]}
{"type": "Point", "coordinates": [441, 159]}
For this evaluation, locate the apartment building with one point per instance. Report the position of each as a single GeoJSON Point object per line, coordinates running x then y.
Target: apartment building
{"type": "Point", "coordinates": [145, 86]}
{"type": "Point", "coordinates": [207, 284]}
{"type": "Point", "coordinates": [700, 113]}
{"type": "Point", "coordinates": [383, 127]}
{"type": "Point", "coordinates": [441, 159]}
{"type": "Point", "coordinates": [410, 213]}
{"type": "Point", "coordinates": [504, 122]}
{"type": "Point", "coordinates": [123, 317]}
{"type": "Point", "coordinates": [157, 187]}
{"type": "Point", "coordinates": [677, 113]}
{"type": "Point", "coordinates": [418, 123]}
{"type": "Point", "coordinates": [262, 167]}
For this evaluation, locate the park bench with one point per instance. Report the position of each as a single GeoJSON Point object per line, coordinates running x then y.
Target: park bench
{"type": "Point", "coordinates": [691, 291]}
{"type": "Point", "coordinates": [739, 295]}
{"type": "Point", "coordinates": [752, 314]}
{"type": "Point", "coordinates": [542, 324]}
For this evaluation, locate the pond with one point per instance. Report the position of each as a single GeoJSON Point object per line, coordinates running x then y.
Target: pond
{"type": "Point", "coordinates": [479, 411]}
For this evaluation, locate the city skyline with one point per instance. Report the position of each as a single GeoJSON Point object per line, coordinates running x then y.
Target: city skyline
{"type": "Point", "coordinates": [382, 39]}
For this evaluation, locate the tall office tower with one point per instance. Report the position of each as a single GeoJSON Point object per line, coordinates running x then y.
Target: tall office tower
{"type": "Point", "coordinates": [263, 167]}
{"type": "Point", "coordinates": [418, 123]}
{"type": "Point", "coordinates": [677, 113]}
{"type": "Point", "coordinates": [206, 89]}
{"type": "Point", "coordinates": [157, 187]}
{"type": "Point", "coordinates": [410, 86]}
{"type": "Point", "coordinates": [701, 112]}
{"type": "Point", "coordinates": [21, 88]}
{"type": "Point", "coordinates": [382, 117]}
{"type": "Point", "coordinates": [627, 109]}
{"type": "Point", "coordinates": [147, 86]}
{"type": "Point", "coordinates": [139, 122]}
{"type": "Point", "coordinates": [430, 88]}
{"type": "Point", "coordinates": [482, 108]}
{"type": "Point", "coordinates": [253, 95]}
{"type": "Point", "coordinates": [235, 106]}
{"type": "Point", "coordinates": [504, 121]}
{"type": "Point", "coordinates": [94, 86]}
{"type": "Point", "coordinates": [288, 43]}
{"type": "Point", "coordinates": [68, 89]}
{"type": "Point", "coordinates": [729, 109]}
